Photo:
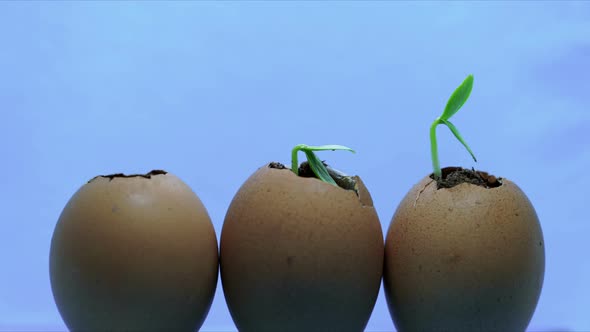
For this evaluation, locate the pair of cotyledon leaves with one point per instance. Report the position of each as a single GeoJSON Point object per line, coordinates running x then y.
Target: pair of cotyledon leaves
{"type": "Point", "coordinates": [456, 101]}
{"type": "Point", "coordinates": [458, 98]}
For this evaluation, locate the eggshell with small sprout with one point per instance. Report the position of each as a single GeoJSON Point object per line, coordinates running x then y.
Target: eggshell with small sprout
{"type": "Point", "coordinates": [466, 258]}
{"type": "Point", "coordinates": [298, 254]}
{"type": "Point", "coordinates": [134, 253]}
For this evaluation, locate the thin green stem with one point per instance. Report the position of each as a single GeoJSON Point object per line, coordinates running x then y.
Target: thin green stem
{"type": "Point", "coordinates": [294, 161]}
{"type": "Point", "coordinates": [434, 149]}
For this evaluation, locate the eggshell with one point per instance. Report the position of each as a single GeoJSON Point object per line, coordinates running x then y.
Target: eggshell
{"type": "Point", "coordinates": [466, 258]}
{"type": "Point", "coordinates": [298, 254]}
{"type": "Point", "coordinates": [134, 253]}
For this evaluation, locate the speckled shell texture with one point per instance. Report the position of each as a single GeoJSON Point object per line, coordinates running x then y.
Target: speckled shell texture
{"type": "Point", "coordinates": [134, 254]}
{"type": "Point", "coordinates": [298, 254]}
{"type": "Point", "coordinates": [465, 258]}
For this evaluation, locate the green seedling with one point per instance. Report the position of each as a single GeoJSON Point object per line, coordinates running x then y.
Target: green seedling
{"type": "Point", "coordinates": [458, 98]}
{"type": "Point", "coordinates": [316, 165]}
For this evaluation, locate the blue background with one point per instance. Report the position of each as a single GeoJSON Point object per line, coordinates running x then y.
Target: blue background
{"type": "Point", "coordinates": [211, 91]}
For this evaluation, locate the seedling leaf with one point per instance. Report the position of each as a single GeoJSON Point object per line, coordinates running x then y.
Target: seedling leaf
{"type": "Point", "coordinates": [458, 98]}
{"type": "Point", "coordinates": [318, 168]}
{"type": "Point", "coordinates": [332, 147]}
{"type": "Point", "coordinates": [455, 132]}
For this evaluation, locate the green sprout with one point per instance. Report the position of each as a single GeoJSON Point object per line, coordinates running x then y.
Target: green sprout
{"type": "Point", "coordinates": [316, 165]}
{"type": "Point", "coordinates": [458, 98]}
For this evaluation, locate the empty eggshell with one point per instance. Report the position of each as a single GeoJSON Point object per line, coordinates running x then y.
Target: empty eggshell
{"type": "Point", "coordinates": [134, 253]}
{"type": "Point", "coordinates": [298, 254]}
{"type": "Point", "coordinates": [466, 258]}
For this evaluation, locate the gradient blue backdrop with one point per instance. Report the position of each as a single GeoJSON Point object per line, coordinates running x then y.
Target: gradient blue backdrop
{"type": "Point", "coordinates": [211, 91]}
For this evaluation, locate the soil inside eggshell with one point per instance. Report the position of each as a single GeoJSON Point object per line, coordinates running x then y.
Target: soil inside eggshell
{"type": "Point", "coordinates": [147, 175]}
{"type": "Point", "coordinates": [305, 170]}
{"type": "Point", "coordinates": [276, 165]}
{"type": "Point", "coordinates": [453, 176]}
{"type": "Point", "coordinates": [342, 180]}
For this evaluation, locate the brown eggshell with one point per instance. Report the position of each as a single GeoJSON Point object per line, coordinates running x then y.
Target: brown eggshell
{"type": "Point", "coordinates": [298, 254]}
{"type": "Point", "coordinates": [134, 253]}
{"type": "Point", "coordinates": [464, 258]}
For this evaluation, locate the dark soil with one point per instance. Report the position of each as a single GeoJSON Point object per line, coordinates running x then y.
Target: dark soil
{"type": "Point", "coordinates": [342, 180]}
{"type": "Point", "coordinates": [305, 170]}
{"type": "Point", "coordinates": [452, 176]}
{"type": "Point", "coordinates": [276, 165]}
{"type": "Point", "coordinates": [121, 175]}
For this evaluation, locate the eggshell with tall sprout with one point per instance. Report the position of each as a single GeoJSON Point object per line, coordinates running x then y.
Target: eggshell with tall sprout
{"type": "Point", "coordinates": [134, 253]}
{"type": "Point", "coordinates": [298, 254]}
{"type": "Point", "coordinates": [466, 258]}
